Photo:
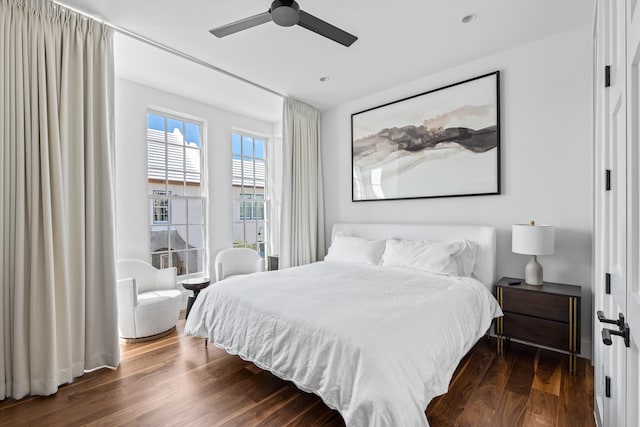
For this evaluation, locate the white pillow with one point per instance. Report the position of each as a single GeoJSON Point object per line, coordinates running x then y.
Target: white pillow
{"type": "Point", "coordinates": [355, 249]}
{"type": "Point", "coordinates": [455, 258]}
{"type": "Point", "coordinates": [466, 258]}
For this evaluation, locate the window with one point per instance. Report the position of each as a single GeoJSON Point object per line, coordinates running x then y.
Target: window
{"type": "Point", "coordinates": [160, 207]}
{"type": "Point", "coordinates": [252, 210]}
{"type": "Point", "coordinates": [176, 193]}
{"type": "Point", "coordinates": [249, 195]}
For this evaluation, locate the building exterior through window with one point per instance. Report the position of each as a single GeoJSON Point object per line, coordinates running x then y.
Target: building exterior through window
{"type": "Point", "coordinates": [160, 206]}
{"type": "Point", "coordinates": [176, 192]}
{"type": "Point", "coordinates": [250, 205]}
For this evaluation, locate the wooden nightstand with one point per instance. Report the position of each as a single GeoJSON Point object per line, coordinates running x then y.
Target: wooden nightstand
{"type": "Point", "coordinates": [547, 315]}
{"type": "Point", "coordinates": [195, 285]}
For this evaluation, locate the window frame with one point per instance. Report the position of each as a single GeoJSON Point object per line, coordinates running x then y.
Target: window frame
{"type": "Point", "coordinates": [245, 200]}
{"type": "Point", "coordinates": [174, 254]}
{"type": "Point", "coordinates": [165, 209]}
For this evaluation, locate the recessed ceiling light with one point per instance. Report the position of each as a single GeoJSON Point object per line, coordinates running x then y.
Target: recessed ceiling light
{"type": "Point", "coordinates": [469, 18]}
{"type": "Point", "coordinates": [324, 78]}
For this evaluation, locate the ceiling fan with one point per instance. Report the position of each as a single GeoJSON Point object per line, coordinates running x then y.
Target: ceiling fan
{"type": "Point", "coordinates": [287, 13]}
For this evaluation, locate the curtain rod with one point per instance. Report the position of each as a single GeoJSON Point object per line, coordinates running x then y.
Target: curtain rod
{"type": "Point", "coordinates": [171, 50]}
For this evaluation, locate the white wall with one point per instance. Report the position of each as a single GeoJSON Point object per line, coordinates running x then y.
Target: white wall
{"type": "Point", "coordinates": [132, 204]}
{"type": "Point", "coordinates": [546, 159]}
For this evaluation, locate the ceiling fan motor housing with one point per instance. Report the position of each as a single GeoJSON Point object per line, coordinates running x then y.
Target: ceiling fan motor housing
{"type": "Point", "coordinates": [285, 12]}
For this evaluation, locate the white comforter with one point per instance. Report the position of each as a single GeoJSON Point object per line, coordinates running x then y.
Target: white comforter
{"type": "Point", "coordinates": [376, 343]}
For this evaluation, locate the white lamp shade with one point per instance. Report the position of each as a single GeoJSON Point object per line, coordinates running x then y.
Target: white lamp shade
{"type": "Point", "coordinates": [532, 239]}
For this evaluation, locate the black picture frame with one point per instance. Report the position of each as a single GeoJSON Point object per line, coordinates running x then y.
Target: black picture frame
{"type": "Point", "coordinates": [443, 142]}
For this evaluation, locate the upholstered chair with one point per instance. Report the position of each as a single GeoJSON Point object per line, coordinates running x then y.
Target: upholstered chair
{"type": "Point", "coordinates": [149, 300]}
{"type": "Point", "coordinates": [236, 261]}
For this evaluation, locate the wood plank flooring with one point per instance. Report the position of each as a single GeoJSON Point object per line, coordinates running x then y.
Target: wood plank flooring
{"type": "Point", "coordinates": [176, 380]}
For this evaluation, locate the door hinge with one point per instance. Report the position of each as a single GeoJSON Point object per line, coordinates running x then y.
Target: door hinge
{"type": "Point", "coordinates": [607, 180]}
{"type": "Point", "coordinates": [607, 76]}
{"type": "Point", "coordinates": [607, 386]}
{"type": "Point", "coordinates": [607, 283]}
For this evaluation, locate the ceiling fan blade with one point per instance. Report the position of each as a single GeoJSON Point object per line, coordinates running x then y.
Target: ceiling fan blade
{"type": "Point", "coordinates": [242, 24]}
{"type": "Point", "coordinates": [325, 29]}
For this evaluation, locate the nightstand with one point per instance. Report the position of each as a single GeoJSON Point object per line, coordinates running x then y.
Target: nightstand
{"type": "Point", "coordinates": [272, 262]}
{"type": "Point", "coordinates": [547, 315]}
{"type": "Point", "coordinates": [195, 285]}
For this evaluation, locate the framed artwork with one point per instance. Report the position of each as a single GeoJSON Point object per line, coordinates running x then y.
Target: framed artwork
{"type": "Point", "coordinates": [440, 143]}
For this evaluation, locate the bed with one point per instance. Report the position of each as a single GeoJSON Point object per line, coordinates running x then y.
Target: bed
{"type": "Point", "coordinates": [377, 341]}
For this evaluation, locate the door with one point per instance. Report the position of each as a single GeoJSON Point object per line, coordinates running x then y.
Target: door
{"type": "Point", "coordinates": [617, 211]}
{"type": "Point", "coordinates": [633, 164]}
{"type": "Point", "coordinates": [616, 216]}
{"type": "Point", "coordinates": [600, 241]}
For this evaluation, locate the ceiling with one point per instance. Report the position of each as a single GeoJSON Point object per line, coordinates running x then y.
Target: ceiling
{"type": "Point", "coordinates": [398, 41]}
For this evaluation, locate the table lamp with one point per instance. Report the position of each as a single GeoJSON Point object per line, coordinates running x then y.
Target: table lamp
{"type": "Point", "coordinates": [532, 239]}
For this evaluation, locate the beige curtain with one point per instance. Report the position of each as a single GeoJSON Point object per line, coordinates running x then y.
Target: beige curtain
{"type": "Point", "coordinates": [302, 211]}
{"type": "Point", "coordinates": [57, 258]}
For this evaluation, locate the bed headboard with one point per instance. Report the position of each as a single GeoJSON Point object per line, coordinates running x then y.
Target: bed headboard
{"type": "Point", "coordinates": [484, 236]}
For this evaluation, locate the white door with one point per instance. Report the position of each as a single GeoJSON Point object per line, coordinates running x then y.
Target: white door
{"type": "Point", "coordinates": [615, 354]}
{"type": "Point", "coordinates": [617, 211]}
{"type": "Point", "coordinates": [612, 215]}
{"type": "Point", "coordinates": [633, 203]}
{"type": "Point", "coordinates": [600, 241]}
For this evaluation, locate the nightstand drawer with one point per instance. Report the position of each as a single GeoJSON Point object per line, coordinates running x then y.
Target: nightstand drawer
{"type": "Point", "coordinates": [544, 305]}
{"type": "Point", "coordinates": [538, 331]}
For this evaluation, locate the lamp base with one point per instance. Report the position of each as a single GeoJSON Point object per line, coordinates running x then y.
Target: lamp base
{"type": "Point", "coordinates": [533, 272]}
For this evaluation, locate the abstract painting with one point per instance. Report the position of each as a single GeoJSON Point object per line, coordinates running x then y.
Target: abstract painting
{"type": "Point", "coordinates": [440, 143]}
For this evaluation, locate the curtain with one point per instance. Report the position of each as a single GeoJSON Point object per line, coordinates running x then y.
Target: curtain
{"type": "Point", "coordinates": [57, 223]}
{"type": "Point", "coordinates": [302, 209]}
{"type": "Point", "coordinates": [274, 190]}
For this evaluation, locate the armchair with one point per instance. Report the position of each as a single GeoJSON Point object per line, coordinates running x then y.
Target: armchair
{"type": "Point", "coordinates": [236, 261]}
{"type": "Point", "coordinates": [149, 300]}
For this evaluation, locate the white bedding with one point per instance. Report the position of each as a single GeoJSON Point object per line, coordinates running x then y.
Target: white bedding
{"type": "Point", "coordinates": [376, 343]}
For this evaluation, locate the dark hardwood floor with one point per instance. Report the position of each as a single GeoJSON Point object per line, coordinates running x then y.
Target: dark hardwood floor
{"type": "Point", "coordinates": [178, 381]}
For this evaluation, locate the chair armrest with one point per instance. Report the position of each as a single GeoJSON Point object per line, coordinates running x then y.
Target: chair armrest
{"type": "Point", "coordinates": [167, 278]}
{"type": "Point", "coordinates": [127, 292]}
{"type": "Point", "coordinates": [260, 265]}
{"type": "Point", "coordinates": [219, 272]}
